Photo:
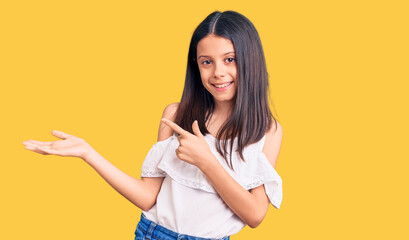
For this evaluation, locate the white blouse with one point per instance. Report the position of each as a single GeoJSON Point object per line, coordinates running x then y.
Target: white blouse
{"type": "Point", "coordinates": [188, 204]}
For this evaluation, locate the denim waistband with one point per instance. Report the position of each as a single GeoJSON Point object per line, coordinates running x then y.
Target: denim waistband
{"type": "Point", "coordinates": [155, 231]}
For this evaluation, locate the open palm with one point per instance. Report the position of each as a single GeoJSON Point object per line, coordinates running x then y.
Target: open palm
{"type": "Point", "coordinates": [69, 146]}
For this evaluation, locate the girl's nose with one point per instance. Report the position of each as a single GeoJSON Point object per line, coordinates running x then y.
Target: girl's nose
{"type": "Point", "coordinates": [219, 70]}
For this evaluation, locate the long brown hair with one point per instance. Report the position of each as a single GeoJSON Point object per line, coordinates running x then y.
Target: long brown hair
{"type": "Point", "coordinates": [251, 117]}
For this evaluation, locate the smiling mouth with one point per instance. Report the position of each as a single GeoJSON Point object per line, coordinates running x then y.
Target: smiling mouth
{"type": "Point", "coordinates": [222, 85]}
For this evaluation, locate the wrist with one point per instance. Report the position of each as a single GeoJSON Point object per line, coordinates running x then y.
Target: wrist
{"type": "Point", "coordinates": [208, 164]}
{"type": "Point", "coordinates": [89, 154]}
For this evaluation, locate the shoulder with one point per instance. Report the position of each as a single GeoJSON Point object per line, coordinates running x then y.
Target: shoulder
{"type": "Point", "coordinates": [275, 131]}
{"type": "Point", "coordinates": [169, 113]}
{"type": "Point", "coordinates": [272, 143]}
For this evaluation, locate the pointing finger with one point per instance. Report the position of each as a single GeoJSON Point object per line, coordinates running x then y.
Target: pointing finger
{"type": "Point", "coordinates": [175, 127]}
{"type": "Point", "coordinates": [60, 134]}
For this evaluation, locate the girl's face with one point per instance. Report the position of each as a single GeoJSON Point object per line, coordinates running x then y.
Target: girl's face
{"type": "Point", "coordinates": [217, 65]}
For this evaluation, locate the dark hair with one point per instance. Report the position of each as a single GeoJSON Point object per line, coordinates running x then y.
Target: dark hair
{"type": "Point", "coordinates": [251, 117]}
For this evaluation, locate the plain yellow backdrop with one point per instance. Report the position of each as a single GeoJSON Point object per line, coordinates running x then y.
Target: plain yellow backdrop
{"type": "Point", "coordinates": [104, 71]}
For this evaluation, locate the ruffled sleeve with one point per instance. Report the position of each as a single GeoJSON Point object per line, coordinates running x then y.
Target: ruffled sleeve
{"type": "Point", "coordinates": [267, 175]}
{"type": "Point", "coordinates": [153, 158]}
{"type": "Point", "coordinates": [257, 170]}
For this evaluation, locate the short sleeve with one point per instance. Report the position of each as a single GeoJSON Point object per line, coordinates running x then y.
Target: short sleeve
{"type": "Point", "coordinates": [256, 171]}
{"type": "Point", "coordinates": [153, 158]}
{"type": "Point", "coordinates": [272, 184]}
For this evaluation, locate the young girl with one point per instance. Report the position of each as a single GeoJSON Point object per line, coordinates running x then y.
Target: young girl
{"type": "Point", "coordinates": [212, 170]}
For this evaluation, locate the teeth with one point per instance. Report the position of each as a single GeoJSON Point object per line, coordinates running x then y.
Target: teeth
{"type": "Point", "coordinates": [223, 85]}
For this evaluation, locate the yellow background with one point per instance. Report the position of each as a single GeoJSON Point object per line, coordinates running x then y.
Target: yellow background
{"type": "Point", "coordinates": [104, 71]}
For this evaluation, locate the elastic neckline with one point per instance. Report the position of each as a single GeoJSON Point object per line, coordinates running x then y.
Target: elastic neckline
{"type": "Point", "coordinates": [261, 141]}
{"type": "Point", "coordinates": [214, 138]}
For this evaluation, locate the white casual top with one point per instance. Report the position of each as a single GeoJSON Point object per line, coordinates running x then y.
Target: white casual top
{"type": "Point", "coordinates": [188, 204]}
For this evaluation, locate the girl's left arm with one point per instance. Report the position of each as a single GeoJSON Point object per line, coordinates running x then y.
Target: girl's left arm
{"type": "Point", "coordinates": [251, 206]}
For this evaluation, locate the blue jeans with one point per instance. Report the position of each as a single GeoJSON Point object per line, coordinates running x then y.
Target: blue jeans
{"type": "Point", "coordinates": [148, 230]}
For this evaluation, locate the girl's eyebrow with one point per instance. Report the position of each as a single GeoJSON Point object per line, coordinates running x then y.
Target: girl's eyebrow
{"type": "Point", "coordinates": [208, 56]}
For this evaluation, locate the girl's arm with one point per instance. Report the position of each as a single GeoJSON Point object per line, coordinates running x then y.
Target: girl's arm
{"type": "Point", "coordinates": [251, 206]}
{"type": "Point", "coordinates": [141, 192]}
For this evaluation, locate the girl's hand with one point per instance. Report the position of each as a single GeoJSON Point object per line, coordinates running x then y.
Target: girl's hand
{"type": "Point", "coordinates": [192, 149]}
{"type": "Point", "coordinates": [70, 146]}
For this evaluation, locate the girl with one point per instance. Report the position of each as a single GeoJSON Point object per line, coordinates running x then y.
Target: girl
{"type": "Point", "coordinates": [212, 170]}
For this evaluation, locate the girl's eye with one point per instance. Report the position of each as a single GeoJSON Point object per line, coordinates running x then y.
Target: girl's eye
{"type": "Point", "coordinates": [206, 62]}
{"type": "Point", "coordinates": [230, 60]}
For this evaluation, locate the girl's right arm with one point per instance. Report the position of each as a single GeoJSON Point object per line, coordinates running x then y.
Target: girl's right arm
{"type": "Point", "coordinates": [141, 192]}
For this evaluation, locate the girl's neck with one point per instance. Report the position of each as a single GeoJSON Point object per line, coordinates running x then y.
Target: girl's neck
{"type": "Point", "coordinates": [223, 109]}
{"type": "Point", "coordinates": [221, 112]}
